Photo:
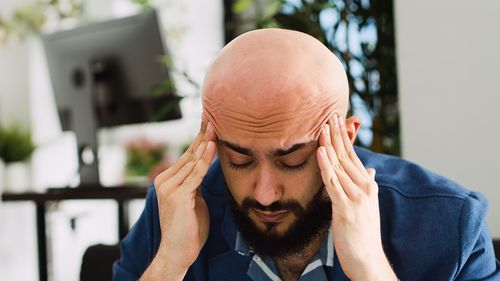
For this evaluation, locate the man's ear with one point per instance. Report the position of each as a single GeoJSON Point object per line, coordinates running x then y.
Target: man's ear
{"type": "Point", "coordinates": [352, 125]}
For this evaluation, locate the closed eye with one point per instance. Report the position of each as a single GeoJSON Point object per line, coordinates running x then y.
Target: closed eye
{"type": "Point", "coordinates": [294, 167]}
{"type": "Point", "coordinates": [240, 166]}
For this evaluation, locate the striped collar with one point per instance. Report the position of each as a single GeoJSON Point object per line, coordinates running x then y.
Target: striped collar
{"type": "Point", "coordinates": [264, 269]}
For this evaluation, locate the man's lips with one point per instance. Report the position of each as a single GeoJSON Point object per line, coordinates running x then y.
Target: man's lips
{"type": "Point", "coordinates": [270, 217]}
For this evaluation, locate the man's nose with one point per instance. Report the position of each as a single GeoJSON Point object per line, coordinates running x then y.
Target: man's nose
{"type": "Point", "coordinates": [267, 189]}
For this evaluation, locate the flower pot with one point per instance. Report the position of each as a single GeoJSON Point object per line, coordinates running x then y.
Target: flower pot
{"type": "Point", "coordinates": [18, 177]}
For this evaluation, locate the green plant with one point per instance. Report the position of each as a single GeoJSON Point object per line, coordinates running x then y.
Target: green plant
{"type": "Point", "coordinates": [15, 144]}
{"type": "Point", "coordinates": [143, 156]}
{"type": "Point", "coordinates": [167, 87]}
{"type": "Point", "coordinates": [30, 18]}
{"type": "Point", "coordinates": [144, 4]}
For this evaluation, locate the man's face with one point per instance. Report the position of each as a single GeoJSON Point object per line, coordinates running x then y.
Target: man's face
{"type": "Point", "coordinates": [277, 194]}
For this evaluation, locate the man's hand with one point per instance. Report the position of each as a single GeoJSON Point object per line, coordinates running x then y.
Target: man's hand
{"type": "Point", "coordinates": [355, 210]}
{"type": "Point", "coordinates": [184, 218]}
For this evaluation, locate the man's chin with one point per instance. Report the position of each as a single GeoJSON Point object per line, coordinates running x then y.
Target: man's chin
{"type": "Point", "coordinates": [277, 230]}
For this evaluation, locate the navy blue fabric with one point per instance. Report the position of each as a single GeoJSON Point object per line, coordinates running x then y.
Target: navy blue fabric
{"type": "Point", "coordinates": [432, 229]}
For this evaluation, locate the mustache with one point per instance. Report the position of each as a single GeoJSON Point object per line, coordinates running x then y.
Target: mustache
{"type": "Point", "coordinates": [289, 205]}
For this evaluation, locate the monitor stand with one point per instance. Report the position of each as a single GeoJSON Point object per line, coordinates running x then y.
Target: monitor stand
{"type": "Point", "coordinates": [86, 82]}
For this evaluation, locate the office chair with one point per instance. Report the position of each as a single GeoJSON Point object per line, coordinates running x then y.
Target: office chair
{"type": "Point", "coordinates": [97, 262]}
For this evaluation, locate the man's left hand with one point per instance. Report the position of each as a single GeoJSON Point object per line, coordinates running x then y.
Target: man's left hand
{"type": "Point", "coordinates": [355, 209]}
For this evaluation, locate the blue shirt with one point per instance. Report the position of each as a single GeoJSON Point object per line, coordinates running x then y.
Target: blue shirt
{"type": "Point", "coordinates": [431, 229]}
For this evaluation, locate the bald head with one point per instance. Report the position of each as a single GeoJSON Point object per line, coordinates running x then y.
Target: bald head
{"type": "Point", "coordinates": [274, 83]}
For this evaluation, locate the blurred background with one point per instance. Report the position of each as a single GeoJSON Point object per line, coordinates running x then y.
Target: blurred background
{"type": "Point", "coordinates": [97, 96]}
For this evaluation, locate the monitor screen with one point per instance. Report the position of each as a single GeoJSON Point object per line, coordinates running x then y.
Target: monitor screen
{"type": "Point", "coordinates": [109, 74]}
{"type": "Point", "coordinates": [116, 65]}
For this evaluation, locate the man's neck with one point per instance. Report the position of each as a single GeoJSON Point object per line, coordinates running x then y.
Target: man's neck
{"type": "Point", "coordinates": [291, 267]}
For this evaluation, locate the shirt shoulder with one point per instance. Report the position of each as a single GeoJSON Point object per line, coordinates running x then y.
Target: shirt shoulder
{"type": "Point", "coordinates": [408, 179]}
{"type": "Point", "coordinates": [432, 227]}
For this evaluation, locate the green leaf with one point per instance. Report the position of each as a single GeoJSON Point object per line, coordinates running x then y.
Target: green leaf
{"type": "Point", "coordinates": [167, 61]}
{"type": "Point", "coordinates": [272, 9]}
{"type": "Point", "coordinates": [145, 4]}
{"type": "Point", "coordinates": [241, 5]}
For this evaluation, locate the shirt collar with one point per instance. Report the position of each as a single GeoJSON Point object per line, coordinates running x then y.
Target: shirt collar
{"type": "Point", "coordinates": [262, 269]}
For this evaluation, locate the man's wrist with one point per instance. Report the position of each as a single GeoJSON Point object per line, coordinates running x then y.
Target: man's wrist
{"type": "Point", "coordinates": [165, 267]}
{"type": "Point", "coordinates": [383, 275]}
{"type": "Point", "coordinates": [378, 270]}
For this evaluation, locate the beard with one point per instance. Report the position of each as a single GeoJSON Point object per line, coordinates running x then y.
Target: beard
{"type": "Point", "coordinates": [310, 222]}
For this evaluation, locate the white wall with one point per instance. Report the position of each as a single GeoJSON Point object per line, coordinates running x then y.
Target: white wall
{"type": "Point", "coordinates": [448, 55]}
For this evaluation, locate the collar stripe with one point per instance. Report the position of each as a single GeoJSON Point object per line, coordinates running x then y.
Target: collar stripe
{"type": "Point", "coordinates": [330, 249]}
{"type": "Point", "coordinates": [265, 268]}
{"type": "Point", "coordinates": [312, 266]}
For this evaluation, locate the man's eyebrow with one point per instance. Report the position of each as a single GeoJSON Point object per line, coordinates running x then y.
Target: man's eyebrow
{"type": "Point", "coordinates": [237, 148]}
{"type": "Point", "coordinates": [283, 152]}
{"type": "Point", "coordinates": [276, 153]}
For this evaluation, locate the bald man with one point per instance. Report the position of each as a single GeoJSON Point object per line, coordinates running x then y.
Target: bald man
{"type": "Point", "coordinates": [290, 197]}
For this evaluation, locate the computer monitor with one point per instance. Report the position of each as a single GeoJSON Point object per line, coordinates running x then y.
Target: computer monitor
{"type": "Point", "coordinates": [108, 74]}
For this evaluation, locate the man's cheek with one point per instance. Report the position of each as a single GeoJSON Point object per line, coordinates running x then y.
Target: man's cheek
{"type": "Point", "coordinates": [237, 192]}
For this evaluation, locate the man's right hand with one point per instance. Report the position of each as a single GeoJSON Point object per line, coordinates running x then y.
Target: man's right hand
{"type": "Point", "coordinates": [183, 213]}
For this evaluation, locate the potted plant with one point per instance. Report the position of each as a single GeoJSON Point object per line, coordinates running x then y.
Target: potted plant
{"type": "Point", "coordinates": [16, 148]}
{"type": "Point", "coordinates": [143, 158]}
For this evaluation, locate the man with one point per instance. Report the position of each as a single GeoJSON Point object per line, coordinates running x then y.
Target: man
{"type": "Point", "coordinates": [290, 198]}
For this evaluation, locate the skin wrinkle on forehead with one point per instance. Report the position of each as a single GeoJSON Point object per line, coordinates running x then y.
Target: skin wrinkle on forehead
{"type": "Point", "coordinates": [274, 83]}
{"type": "Point", "coordinates": [269, 126]}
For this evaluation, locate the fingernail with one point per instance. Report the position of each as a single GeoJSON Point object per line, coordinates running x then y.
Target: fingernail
{"type": "Point", "coordinates": [209, 126]}
{"type": "Point", "coordinates": [210, 144]}
{"type": "Point", "coordinates": [341, 121]}
{"type": "Point", "coordinates": [336, 120]}
{"type": "Point", "coordinates": [326, 129]}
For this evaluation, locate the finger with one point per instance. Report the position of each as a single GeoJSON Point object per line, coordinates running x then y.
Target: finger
{"type": "Point", "coordinates": [372, 188]}
{"type": "Point", "coordinates": [206, 133]}
{"type": "Point", "coordinates": [371, 172]}
{"type": "Point", "coordinates": [349, 148]}
{"type": "Point", "coordinates": [181, 162]}
{"type": "Point", "coordinates": [342, 155]}
{"type": "Point", "coordinates": [184, 172]}
{"type": "Point", "coordinates": [333, 187]}
{"type": "Point", "coordinates": [325, 140]}
{"type": "Point", "coordinates": [195, 178]}
{"type": "Point", "coordinates": [175, 180]}
{"type": "Point", "coordinates": [347, 184]}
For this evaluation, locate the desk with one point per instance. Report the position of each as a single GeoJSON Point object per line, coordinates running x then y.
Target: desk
{"type": "Point", "coordinates": [121, 195]}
